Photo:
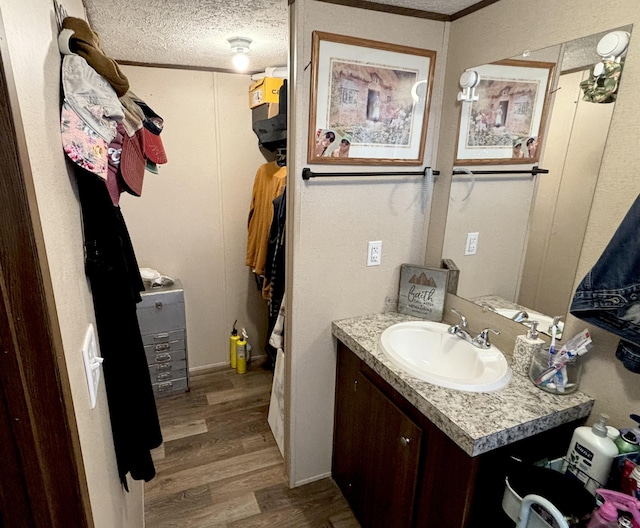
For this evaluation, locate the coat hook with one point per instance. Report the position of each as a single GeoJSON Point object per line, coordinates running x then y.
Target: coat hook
{"type": "Point", "coordinates": [61, 13]}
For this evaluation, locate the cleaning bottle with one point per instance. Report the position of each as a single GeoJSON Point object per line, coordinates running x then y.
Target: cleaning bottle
{"type": "Point", "coordinates": [607, 515]}
{"type": "Point", "coordinates": [233, 344]}
{"type": "Point", "coordinates": [591, 454]}
{"type": "Point", "coordinates": [627, 443]}
{"type": "Point", "coordinates": [241, 354]}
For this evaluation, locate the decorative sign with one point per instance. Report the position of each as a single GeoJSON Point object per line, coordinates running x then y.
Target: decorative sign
{"type": "Point", "coordinates": [422, 291]}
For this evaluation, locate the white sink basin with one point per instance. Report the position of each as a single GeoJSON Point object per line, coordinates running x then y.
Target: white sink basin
{"type": "Point", "coordinates": [425, 350]}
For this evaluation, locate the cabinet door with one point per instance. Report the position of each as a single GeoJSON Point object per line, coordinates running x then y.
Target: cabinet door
{"type": "Point", "coordinates": [390, 444]}
{"type": "Point", "coordinates": [346, 458]}
{"type": "Point", "coordinates": [376, 449]}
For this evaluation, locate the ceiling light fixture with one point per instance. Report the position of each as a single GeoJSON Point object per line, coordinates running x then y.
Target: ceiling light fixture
{"type": "Point", "coordinates": [240, 47]}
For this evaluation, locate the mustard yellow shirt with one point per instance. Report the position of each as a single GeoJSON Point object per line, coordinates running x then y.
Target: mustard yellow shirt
{"type": "Point", "coordinates": [269, 183]}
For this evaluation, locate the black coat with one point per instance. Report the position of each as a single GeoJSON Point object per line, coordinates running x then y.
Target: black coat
{"type": "Point", "coordinates": [115, 282]}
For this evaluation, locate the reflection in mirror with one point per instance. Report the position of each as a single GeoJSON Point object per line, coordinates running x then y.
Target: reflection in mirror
{"type": "Point", "coordinates": [531, 230]}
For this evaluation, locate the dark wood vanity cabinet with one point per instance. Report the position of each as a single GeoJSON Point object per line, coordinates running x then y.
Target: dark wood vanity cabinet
{"type": "Point", "coordinates": [376, 450]}
{"type": "Point", "coordinates": [398, 470]}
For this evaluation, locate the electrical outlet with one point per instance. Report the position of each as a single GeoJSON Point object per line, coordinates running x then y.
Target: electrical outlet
{"type": "Point", "coordinates": [472, 244]}
{"type": "Point", "coordinates": [374, 253]}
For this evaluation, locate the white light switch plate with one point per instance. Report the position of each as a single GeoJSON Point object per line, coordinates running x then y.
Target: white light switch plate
{"type": "Point", "coordinates": [92, 362]}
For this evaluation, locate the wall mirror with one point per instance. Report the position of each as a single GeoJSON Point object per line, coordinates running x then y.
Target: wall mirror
{"type": "Point", "coordinates": [529, 230]}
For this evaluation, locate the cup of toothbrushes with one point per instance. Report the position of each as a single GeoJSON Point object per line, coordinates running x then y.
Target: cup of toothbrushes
{"type": "Point", "coordinates": [555, 372]}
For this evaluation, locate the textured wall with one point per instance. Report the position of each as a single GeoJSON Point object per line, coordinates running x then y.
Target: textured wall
{"type": "Point", "coordinates": [191, 220]}
{"type": "Point", "coordinates": [332, 221]}
{"type": "Point", "coordinates": [31, 37]}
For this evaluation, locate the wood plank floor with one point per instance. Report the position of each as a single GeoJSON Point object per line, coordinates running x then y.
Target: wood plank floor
{"type": "Point", "coordinates": [220, 467]}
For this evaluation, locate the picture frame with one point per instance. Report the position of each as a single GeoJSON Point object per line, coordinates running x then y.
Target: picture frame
{"type": "Point", "coordinates": [363, 108]}
{"type": "Point", "coordinates": [506, 124]}
{"type": "Point", "coordinates": [422, 291]}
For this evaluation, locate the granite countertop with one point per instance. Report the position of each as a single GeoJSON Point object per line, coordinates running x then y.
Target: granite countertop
{"type": "Point", "coordinates": [477, 422]}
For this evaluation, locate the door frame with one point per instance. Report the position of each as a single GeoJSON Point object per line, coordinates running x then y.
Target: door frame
{"type": "Point", "coordinates": [39, 415]}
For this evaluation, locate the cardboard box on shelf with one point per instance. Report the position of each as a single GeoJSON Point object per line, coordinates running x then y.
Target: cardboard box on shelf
{"type": "Point", "coordinates": [265, 111]}
{"type": "Point", "coordinates": [265, 90]}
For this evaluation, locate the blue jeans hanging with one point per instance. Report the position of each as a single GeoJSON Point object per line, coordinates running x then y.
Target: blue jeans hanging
{"type": "Point", "coordinates": [609, 295]}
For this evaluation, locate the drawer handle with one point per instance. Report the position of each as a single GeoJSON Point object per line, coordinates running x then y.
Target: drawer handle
{"type": "Point", "coordinates": [162, 346]}
{"type": "Point", "coordinates": [163, 376]}
{"type": "Point", "coordinates": [159, 305]}
{"type": "Point", "coordinates": [162, 358]}
{"type": "Point", "coordinates": [161, 336]}
{"type": "Point", "coordinates": [163, 366]}
{"type": "Point", "coordinates": [165, 386]}
{"type": "Point", "coordinates": [405, 441]}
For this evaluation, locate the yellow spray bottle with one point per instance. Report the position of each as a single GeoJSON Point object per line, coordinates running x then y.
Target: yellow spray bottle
{"type": "Point", "coordinates": [233, 344]}
{"type": "Point", "coordinates": [241, 353]}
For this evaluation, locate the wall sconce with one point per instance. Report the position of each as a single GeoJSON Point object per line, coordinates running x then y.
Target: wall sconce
{"type": "Point", "coordinates": [610, 48]}
{"type": "Point", "coordinates": [414, 90]}
{"type": "Point", "coordinates": [468, 82]}
{"type": "Point", "coordinates": [604, 76]}
{"type": "Point", "coordinates": [240, 47]}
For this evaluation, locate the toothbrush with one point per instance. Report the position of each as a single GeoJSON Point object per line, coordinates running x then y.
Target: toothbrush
{"type": "Point", "coordinates": [559, 380]}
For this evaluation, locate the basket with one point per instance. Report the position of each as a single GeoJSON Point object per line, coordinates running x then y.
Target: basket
{"type": "Point", "coordinates": [558, 493]}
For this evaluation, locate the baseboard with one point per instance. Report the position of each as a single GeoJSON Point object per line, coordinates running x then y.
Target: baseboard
{"type": "Point", "coordinates": [311, 479]}
{"type": "Point", "coordinates": [217, 367]}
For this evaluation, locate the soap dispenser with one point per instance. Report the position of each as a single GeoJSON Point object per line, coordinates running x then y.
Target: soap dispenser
{"type": "Point", "coordinates": [526, 347]}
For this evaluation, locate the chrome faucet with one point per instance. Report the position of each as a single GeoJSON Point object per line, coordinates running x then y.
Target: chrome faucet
{"type": "Point", "coordinates": [461, 330]}
{"type": "Point", "coordinates": [520, 316]}
{"type": "Point", "coordinates": [482, 339]}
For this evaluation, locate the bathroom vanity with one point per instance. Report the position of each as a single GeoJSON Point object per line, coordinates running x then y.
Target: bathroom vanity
{"type": "Point", "coordinates": [408, 453]}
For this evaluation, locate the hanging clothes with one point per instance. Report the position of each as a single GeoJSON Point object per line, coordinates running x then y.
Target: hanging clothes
{"type": "Point", "coordinates": [274, 281]}
{"type": "Point", "coordinates": [609, 295]}
{"type": "Point", "coordinates": [269, 183]}
{"type": "Point", "coordinates": [273, 290]}
{"type": "Point", "coordinates": [114, 276]}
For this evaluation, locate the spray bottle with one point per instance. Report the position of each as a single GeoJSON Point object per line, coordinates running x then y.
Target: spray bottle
{"type": "Point", "coordinates": [241, 353]}
{"type": "Point", "coordinates": [233, 344]}
{"type": "Point", "coordinates": [607, 515]}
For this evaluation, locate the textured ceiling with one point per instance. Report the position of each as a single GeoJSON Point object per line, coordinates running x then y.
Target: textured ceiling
{"type": "Point", "coordinates": [195, 32]}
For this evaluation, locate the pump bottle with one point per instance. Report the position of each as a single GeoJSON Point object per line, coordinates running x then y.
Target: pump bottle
{"type": "Point", "coordinates": [233, 344]}
{"type": "Point", "coordinates": [527, 347]}
{"type": "Point", "coordinates": [591, 453]}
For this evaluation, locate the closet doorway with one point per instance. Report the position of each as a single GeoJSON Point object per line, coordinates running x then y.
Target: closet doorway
{"type": "Point", "coordinates": [219, 461]}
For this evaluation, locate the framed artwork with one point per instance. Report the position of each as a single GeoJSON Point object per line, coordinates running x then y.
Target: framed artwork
{"type": "Point", "coordinates": [506, 124]}
{"type": "Point", "coordinates": [369, 101]}
{"type": "Point", "coordinates": [422, 291]}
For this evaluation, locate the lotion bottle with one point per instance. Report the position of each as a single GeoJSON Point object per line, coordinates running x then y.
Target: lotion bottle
{"type": "Point", "coordinates": [590, 455]}
{"type": "Point", "coordinates": [527, 346]}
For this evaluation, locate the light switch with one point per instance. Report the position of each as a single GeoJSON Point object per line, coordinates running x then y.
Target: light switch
{"type": "Point", "coordinates": [92, 362]}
